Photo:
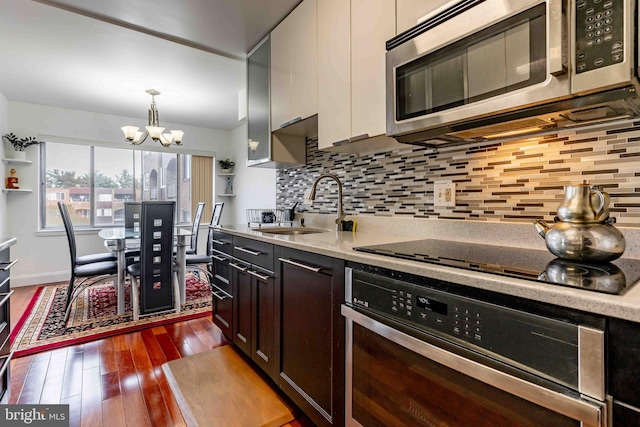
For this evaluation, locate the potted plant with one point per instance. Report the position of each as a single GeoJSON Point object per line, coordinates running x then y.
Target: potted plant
{"type": "Point", "coordinates": [226, 165]}
{"type": "Point", "coordinates": [20, 144]}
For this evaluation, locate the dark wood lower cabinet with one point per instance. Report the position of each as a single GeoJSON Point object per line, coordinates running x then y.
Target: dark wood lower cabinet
{"type": "Point", "coordinates": [310, 333]}
{"type": "Point", "coordinates": [253, 314]}
{"type": "Point", "coordinates": [242, 318]}
{"type": "Point", "coordinates": [5, 322]}
{"type": "Point", "coordinates": [222, 293]}
{"type": "Point", "coordinates": [623, 372]}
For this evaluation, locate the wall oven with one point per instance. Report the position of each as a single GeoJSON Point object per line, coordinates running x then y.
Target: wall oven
{"type": "Point", "coordinates": [422, 352]}
{"type": "Point", "coordinates": [476, 69]}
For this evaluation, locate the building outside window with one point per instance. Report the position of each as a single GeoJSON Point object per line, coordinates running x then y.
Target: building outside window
{"type": "Point", "coordinates": [97, 181]}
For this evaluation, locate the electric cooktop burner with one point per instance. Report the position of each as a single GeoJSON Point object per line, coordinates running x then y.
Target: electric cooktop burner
{"type": "Point", "coordinates": [611, 278]}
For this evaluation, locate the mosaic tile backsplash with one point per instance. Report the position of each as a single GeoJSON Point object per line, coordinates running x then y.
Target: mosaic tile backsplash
{"type": "Point", "coordinates": [513, 180]}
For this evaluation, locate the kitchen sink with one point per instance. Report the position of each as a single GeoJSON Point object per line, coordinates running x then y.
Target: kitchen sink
{"type": "Point", "coordinates": [290, 230]}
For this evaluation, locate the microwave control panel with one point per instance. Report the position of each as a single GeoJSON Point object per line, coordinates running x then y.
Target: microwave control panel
{"type": "Point", "coordinates": [599, 34]}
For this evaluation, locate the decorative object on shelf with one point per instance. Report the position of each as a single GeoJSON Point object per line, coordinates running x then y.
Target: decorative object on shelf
{"type": "Point", "coordinates": [12, 180]}
{"type": "Point", "coordinates": [229, 188]}
{"type": "Point", "coordinates": [226, 165]}
{"type": "Point", "coordinates": [20, 144]}
{"type": "Point", "coordinates": [253, 145]}
{"type": "Point", "coordinates": [135, 137]}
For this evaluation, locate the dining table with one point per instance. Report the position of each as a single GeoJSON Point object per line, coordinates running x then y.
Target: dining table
{"type": "Point", "coordinates": [118, 237]}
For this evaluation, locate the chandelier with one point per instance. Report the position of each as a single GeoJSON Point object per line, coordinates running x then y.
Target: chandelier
{"type": "Point", "coordinates": [136, 137]}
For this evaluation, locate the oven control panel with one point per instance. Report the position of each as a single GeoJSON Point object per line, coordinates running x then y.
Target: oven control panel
{"type": "Point", "coordinates": [549, 345]}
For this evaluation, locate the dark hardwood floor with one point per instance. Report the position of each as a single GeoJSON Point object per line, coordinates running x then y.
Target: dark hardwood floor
{"type": "Point", "coordinates": [115, 381]}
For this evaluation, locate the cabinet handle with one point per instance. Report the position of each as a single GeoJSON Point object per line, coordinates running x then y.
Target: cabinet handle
{"type": "Point", "coordinates": [7, 264]}
{"type": "Point", "coordinates": [6, 363]}
{"type": "Point", "coordinates": [259, 276]}
{"type": "Point", "coordinates": [339, 143]}
{"type": "Point", "coordinates": [222, 279]}
{"type": "Point", "coordinates": [219, 291]}
{"type": "Point", "coordinates": [218, 258]}
{"type": "Point", "coordinates": [301, 265]}
{"type": "Point", "coordinates": [254, 253]}
{"type": "Point", "coordinates": [219, 242]}
{"type": "Point", "coordinates": [290, 122]}
{"type": "Point", "coordinates": [238, 267]}
{"type": "Point", "coordinates": [5, 297]}
{"type": "Point", "coordinates": [359, 137]}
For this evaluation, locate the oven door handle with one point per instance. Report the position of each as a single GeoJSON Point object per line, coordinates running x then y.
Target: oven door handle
{"type": "Point", "coordinates": [590, 414]}
{"type": "Point", "coordinates": [557, 60]}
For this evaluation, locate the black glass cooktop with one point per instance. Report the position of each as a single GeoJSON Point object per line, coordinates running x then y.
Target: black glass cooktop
{"type": "Point", "coordinates": [540, 265]}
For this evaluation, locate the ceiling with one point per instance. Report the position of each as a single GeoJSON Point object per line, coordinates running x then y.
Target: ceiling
{"type": "Point", "coordinates": [101, 56]}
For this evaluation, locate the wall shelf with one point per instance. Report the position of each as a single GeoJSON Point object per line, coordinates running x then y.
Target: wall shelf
{"type": "Point", "coordinates": [226, 195]}
{"type": "Point", "coordinates": [16, 190]}
{"type": "Point", "coordinates": [227, 174]}
{"type": "Point", "coordinates": [16, 162]}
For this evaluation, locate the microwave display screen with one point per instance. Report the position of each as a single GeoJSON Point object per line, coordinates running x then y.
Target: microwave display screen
{"type": "Point", "coordinates": [499, 59]}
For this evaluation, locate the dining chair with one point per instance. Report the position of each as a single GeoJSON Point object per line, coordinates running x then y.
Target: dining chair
{"type": "Point", "coordinates": [133, 221]}
{"type": "Point", "coordinates": [91, 268]}
{"type": "Point", "coordinates": [193, 246]}
{"type": "Point", "coordinates": [195, 261]}
{"type": "Point", "coordinates": [153, 287]}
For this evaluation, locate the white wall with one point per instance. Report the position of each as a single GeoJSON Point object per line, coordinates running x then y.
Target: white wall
{"type": "Point", "coordinates": [44, 256]}
{"type": "Point", "coordinates": [3, 171]}
{"type": "Point", "coordinates": [255, 187]}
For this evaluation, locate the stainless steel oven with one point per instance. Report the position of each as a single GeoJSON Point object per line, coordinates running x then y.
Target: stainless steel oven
{"type": "Point", "coordinates": [476, 69]}
{"type": "Point", "coordinates": [421, 352]}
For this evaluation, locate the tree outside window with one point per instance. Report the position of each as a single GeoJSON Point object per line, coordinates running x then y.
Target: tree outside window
{"type": "Point", "coordinates": [96, 182]}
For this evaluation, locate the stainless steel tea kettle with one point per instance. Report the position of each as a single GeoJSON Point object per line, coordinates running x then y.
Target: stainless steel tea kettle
{"type": "Point", "coordinates": [583, 229]}
{"type": "Point", "coordinates": [583, 204]}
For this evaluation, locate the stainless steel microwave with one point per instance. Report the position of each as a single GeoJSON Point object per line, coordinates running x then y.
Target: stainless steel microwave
{"type": "Point", "coordinates": [479, 69]}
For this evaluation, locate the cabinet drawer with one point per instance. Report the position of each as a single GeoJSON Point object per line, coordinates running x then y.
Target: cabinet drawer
{"type": "Point", "coordinates": [254, 252]}
{"type": "Point", "coordinates": [222, 242]}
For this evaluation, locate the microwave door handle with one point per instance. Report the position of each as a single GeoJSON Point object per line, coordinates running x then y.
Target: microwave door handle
{"type": "Point", "coordinates": [557, 35]}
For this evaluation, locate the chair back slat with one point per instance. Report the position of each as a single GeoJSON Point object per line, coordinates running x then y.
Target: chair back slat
{"type": "Point", "coordinates": [132, 215]}
{"type": "Point", "coordinates": [156, 256]}
{"type": "Point", "coordinates": [68, 227]}
{"type": "Point", "coordinates": [215, 220]}
{"type": "Point", "coordinates": [196, 225]}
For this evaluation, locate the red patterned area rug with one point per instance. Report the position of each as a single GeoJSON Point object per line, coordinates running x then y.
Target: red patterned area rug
{"type": "Point", "coordinates": [93, 316]}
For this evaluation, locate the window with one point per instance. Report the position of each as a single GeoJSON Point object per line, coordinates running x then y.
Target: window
{"type": "Point", "coordinates": [97, 181]}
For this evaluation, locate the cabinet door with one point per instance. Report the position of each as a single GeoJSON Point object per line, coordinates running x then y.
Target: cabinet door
{"type": "Point", "coordinates": [306, 333]}
{"type": "Point", "coordinates": [242, 312]}
{"type": "Point", "coordinates": [623, 361]}
{"type": "Point", "coordinates": [372, 24]}
{"type": "Point", "coordinates": [262, 346]}
{"type": "Point", "coordinates": [304, 60]}
{"type": "Point", "coordinates": [310, 332]}
{"type": "Point", "coordinates": [334, 72]}
{"type": "Point", "coordinates": [258, 126]}
{"type": "Point", "coordinates": [281, 73]}
{"type": "Point", "coordinates": [222, 290]}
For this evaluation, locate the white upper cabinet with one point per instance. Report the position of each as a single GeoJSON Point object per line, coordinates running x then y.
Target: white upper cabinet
{"type": "Point", "coordinates": [294, 66]}
{"type": "Point", "coordinates": [351, 68]}
{"type": "Point", "coordinates": [409, 12]}
{"type": "Point", "coordinates": [334, 71]}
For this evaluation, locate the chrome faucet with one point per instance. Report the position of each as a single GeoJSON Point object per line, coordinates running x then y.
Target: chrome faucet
{"type": "Point", "coordinates": [312, 196]}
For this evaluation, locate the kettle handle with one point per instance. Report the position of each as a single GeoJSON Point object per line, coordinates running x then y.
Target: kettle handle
{"type": "Point", "coordinates": [600, 208]}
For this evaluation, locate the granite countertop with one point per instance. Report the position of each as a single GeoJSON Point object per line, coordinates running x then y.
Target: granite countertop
{"type": "Point", "coordinates": [341, 244]}
{"type": "Point", "coordinates": [5, 242]}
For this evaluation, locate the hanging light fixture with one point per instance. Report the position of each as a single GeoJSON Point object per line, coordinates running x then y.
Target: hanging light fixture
{"type": "Point", "coordinates": [253, 145]}
{"type": "Point", "coordinates": [136, 137]}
